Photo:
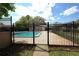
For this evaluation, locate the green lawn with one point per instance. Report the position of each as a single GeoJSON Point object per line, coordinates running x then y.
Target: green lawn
{"type": "Point", "coordinates": [64, 51]}
{"type": "Point", "coordinates": [18, 50]}
{"type": "Point", "coordinates": [27, 50]}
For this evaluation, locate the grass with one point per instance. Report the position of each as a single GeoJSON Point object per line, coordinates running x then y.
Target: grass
{"type": "Point", "coordinates": [24, 53]}
{"type": "Point", "coordinates": [18, 50]}
{"type": "Point", "coordinates": [27, 50]}
{"type": "Point", "coordinates": [64, 51]}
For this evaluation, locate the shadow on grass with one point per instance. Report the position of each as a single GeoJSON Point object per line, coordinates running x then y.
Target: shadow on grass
{"type": "Point", "coordinates": [63, 51]}
{"type": "Point", "coordinates": [18, 50]}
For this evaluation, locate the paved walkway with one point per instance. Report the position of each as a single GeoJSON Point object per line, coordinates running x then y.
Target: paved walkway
{"type": "Point", "coordinates": [41, 50]}
{"type": "Point", "coordinates": [55, 39]}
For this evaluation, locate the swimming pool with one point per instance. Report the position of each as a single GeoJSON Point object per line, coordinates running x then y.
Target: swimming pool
{"type": "Point", "coordinates": [26, 34]}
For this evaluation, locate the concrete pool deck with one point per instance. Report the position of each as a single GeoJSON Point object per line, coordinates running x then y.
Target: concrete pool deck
{"type": "Point", "coordinates": [54, 39]}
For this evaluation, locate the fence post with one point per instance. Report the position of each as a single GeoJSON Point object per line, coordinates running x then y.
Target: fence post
{"type": "Point", "coordinates": [48, 33]}
{"type": "Point", "coordinates": [66, 34]}
{"type": "Point", "coordinates": [11, 29]}
{"type": "Point", "coordinates": [33, 33]}
{"type": "Point", "coordinates": [13, 34]}
{"type": "Point", "coordinates": [73, 32]}
{"type": "Point", "coordinates": [13, 39]}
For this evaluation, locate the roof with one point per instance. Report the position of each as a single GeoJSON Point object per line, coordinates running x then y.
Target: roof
{"type": "Point", "coordinates": [5, 21]}
{"type": "Point", "coordinates": [43, 25]}
{"type": "Point", "coordinates": [5, 26]}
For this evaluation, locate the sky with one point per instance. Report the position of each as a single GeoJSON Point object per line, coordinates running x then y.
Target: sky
{"type": "Point", "coordinates": [52, 12]}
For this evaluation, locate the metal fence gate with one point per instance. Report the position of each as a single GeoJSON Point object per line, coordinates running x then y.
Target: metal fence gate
{"type": "Point", "coordinates": [40, 34]}
{"type": "Point", "coordinates": [43, 34]}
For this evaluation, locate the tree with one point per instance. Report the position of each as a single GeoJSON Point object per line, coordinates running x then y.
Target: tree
{"type": "Point", "coordinates": [39, 20]}
{"type": "Point", "coordinates": [24, 22]}
{"type": "Point", "coordinates": [27, 21]}
{"type": "Point", "coordinates": [5, 8]}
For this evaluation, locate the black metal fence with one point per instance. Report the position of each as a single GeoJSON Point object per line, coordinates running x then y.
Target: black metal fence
{"type": "Point", "coordinates": [69, 31]}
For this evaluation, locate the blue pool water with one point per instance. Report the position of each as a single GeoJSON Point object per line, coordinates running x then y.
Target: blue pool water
{"type": "Point", "coordinates": [25, 34]}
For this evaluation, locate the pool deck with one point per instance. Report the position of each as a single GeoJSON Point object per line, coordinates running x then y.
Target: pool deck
{"type": "Point", "coordinates": [42, 39]}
